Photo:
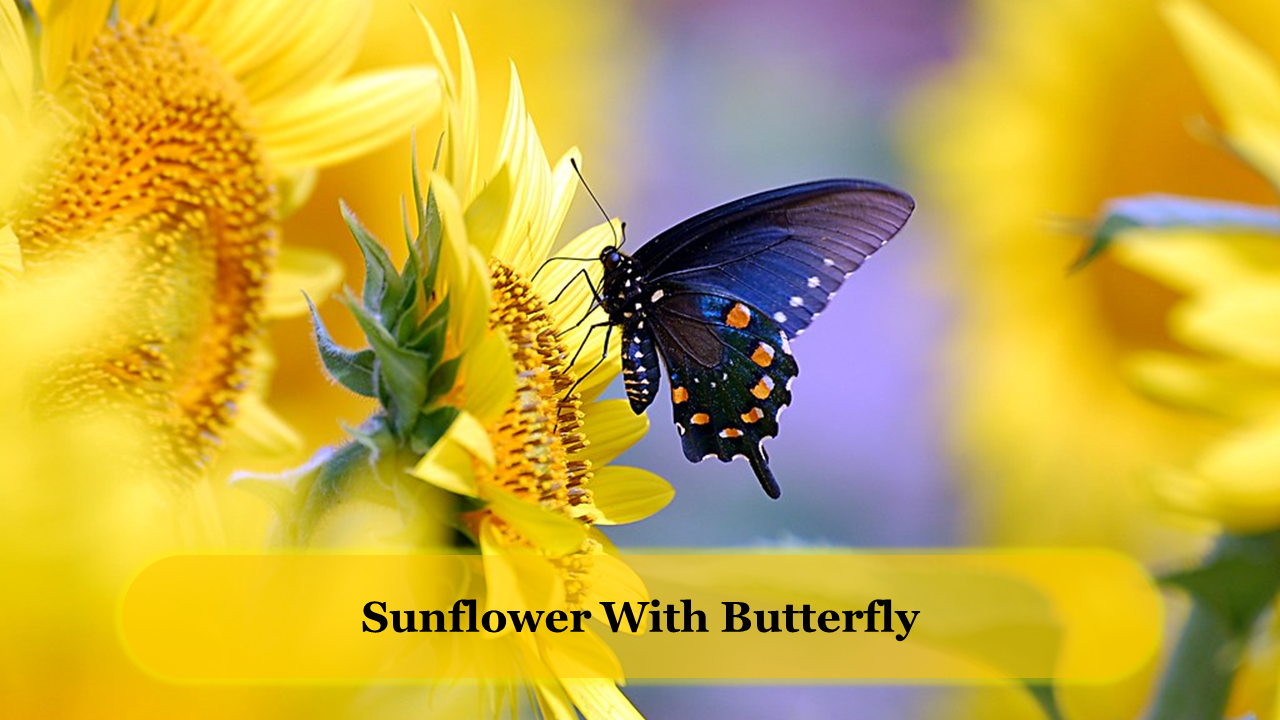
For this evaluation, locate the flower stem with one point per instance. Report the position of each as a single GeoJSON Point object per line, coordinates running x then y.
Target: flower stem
{"type": "Point", "coordinates": [1230, 591]}
{"type": "Point", "coordinates": [1198, 680]}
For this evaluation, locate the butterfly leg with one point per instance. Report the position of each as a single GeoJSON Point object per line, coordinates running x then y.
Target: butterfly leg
{"type": "Point", "coordinates": [587, 337]}
{"type": "Point", "coordinates": [608, 334]}
{"type": "Point", "coordinates": [583, 272]}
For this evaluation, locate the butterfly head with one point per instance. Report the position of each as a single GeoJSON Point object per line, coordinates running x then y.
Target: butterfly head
{"type": "Point", "coordinates": [612, 258]}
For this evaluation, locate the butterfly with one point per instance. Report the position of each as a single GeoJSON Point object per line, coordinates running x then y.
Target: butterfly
{"type": "Point", "coordinates": [719, 296]}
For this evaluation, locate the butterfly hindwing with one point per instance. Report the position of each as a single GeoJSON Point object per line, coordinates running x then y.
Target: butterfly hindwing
{"type": "Point", "coordinates": [730, 368]}
{"type": "Point", "coordinates": [784, 252]}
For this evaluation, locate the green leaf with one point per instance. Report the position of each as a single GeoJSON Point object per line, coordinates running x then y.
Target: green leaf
{"type": "Point", "coordinates": [442, 379]}
{"type": "Point", "coordinates": [1238, 580]}
{"type": "Point", "coordinates": [430, 335]}
{"type": "Point", "coordinates": [381, 281]}
{"type": "Point", "coordinates": [326, 489]}
{"type": "Point", "coordinates": [354, 370]}
{"type": "Point", "coordinates": [402, 373]}
{"type": "Point", "coordinates": [431, 236]}
{"type": "Point", "coordinates": [431, 426]}
{"type": "Point", "coordinates": [1171, 212]}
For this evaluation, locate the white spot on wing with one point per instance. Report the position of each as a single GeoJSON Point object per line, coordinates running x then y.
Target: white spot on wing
{"type": "Point", "coordinates": [780, 316]}
{"type": "Point", "coordinates": [797, 301]}
{"type": "Point", "coordinates": [828, 262]}
{"type": "Point", "coordinates": [814, 281]}
{"type": "Point", "coordinates": [657, 295]}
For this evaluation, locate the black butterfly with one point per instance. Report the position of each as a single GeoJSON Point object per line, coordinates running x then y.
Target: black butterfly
{"type": "Point", "coordinates": [718, 296]}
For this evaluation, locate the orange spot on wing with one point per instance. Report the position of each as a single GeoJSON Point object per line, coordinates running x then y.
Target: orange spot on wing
{"type": "Point", "coordinates": [739, 316]}
{"type": "Point", "coordinates": [730, 433]}
{"type": "Point", "coordinates": [679, 395]}
{"type": "Point", "coordinates": [753, 416]}
{"type": "Point", "coordinates": [700, 419]}
{"type": "Point", "coordinates": [763, 355]}
{"type": "Point", "coordinates": [763, 388]}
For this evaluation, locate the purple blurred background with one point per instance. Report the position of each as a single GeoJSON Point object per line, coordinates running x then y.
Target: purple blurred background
{"type": "Point", "coordinates": [738, 97]}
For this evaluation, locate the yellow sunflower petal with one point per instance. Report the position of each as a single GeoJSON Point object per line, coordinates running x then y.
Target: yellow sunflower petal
{"type": "Point", "coordinates": [294, 189]}
{"type": "Point", "coordinates": [339, 122]}
{"type": "Point", "coordinates": [1194, 260]}
{"type": "Point", "coordinates": [262, 431]}
{"type": "Point", "coordinates": [612, 580]}
{"type": "Point", "coordinates": [1225, 389]}
{"type": "Point", "coordinates": [553, 701]}
{"type": "Point", "coordinates": [15, 55]}
{"type": "Point", "coordinates": [449, 464]}
{"type": "Point", "coordinates": [324, 38]}
{"type": "Point", "coordinates": [136, 12]}
{"type": "Point", "coordinates": [564, 185]}
{"type": "Point", "coordinates": [551, 531]}
{"type": "Point", "coordinates": [488, 213]}
{"type": "Point", "coordinates": [464, 272]}
{"type": "Point", "coordinates": [1235, 483]}
{"type": "Point", "coordinates": [583, 655]}
{"type": "Point", "coordinates": [249, 32]}
{"type": "Point", "coordinates": [466, 120]}
{"type": "Point", "coordinates": [69, 26]}
{"type": "Point", "coordinates": [10, 257]}
{"type": "Point", "coordinates": [521, 151]}
{"type": "Point", "coordinates": [488, 373]}
{"type": "Point", "coordinates": [1240, 79]}
{"type": "Point", "coordinates": [557, 274]}
{"type": "Point", "coordinates": [516, 579]}
{"type": "Point", "coordinates": [298, 271]}
{"type": "Point", "coordinates": [1240, 321]}
{"type": "Point", "coordinates": [611, 427]}
{"type": "Point", "coordinates": [598, 698]}
{"type": "Point", "coordinates": [627, 494]}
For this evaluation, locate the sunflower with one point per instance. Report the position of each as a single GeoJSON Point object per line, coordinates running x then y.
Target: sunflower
{"type": "Point", "coordinates": [177, 135]}
{"type": "Point", "coordinates": [488, 382]}
{"type": "Point", "coordinates": [567, 49]}
{"type": "Point", "coordinates": [1056, 107]}
{"type": "Point", "coordinates": [1228, 280]}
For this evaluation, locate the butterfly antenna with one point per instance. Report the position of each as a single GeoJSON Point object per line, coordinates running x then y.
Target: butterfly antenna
{"type": "Point", "coordinates": [616, 243]}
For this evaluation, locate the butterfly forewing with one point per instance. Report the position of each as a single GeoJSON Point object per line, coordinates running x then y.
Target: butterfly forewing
{"type": "Point", "coordinates": [784, 252]}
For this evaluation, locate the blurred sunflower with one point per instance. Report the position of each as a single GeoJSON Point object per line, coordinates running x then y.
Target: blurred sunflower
{"type": "Point", "coordinates": [1054, 108]}
{"type": "Point", "coordinates": [486, 379]}
{"type": "Point", "coordinates": [1059, 107]}
{"type": "Point", "coordinates": [1228, 279]}
{"type": "Point", "coordinates": [176, 135]}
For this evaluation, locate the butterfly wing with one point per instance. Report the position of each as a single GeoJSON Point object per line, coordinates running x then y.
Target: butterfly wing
{"type": "Point", "coordinates": [784, 252]}
{"type": "Point", "coordinates": [730, 369]}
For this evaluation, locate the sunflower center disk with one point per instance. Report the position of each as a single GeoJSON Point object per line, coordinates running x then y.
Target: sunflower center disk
{"type": "Point", "coordinates": [537, 435]}
{"type": "Point", "coordinates": [161, 166]}
{"type": "Point", "coordinates": [542, 427]}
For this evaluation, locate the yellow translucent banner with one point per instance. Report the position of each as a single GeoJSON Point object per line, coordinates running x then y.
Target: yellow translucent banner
{"type": "Point", "coordinates": [837, 616]}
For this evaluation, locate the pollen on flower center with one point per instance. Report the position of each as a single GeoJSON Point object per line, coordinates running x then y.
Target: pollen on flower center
{"type": "Point", "coordinates": [542, 427]}
{"type": "Point", "coordinates": [160, 159]}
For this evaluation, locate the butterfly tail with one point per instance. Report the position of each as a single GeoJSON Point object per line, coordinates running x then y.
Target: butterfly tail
{"type": "Point", "coordinates": [760, 464]}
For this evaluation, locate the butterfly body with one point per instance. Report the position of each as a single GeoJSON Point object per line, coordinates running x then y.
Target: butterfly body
{"type": "Point", "coordinates": [719, 296]}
